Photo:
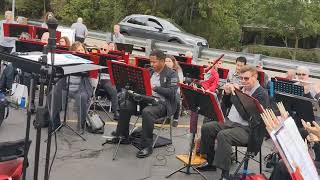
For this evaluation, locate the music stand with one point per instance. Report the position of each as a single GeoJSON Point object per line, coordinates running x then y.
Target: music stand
{"type": "Point", "coordinates": [130, 77]}
{"type": "Point", "coordinates": [38, 32]}
{"type": "Point", "coordinates": [124, 55]}
{"type": "Point", "coordinates": [29, 46]}
{"type": "Point", "coordinates": [261, 78]}
{"type": "Point", "coordinates": [15, 30]}
{"type": "Point", "coordinates": [223, 73]}
{"type": "Point", "coordinates": [199, 102]}
{"type": "Point", "coordinates": [183, 59]}
{"type": "Point", "coordinates": [124, 47]}
{"type": "Point", "coordinates": [142, 62]}
{"type": "Point", "coordinates": [248, 108]}
{"type": "Point", "coordinates": [192, 71]}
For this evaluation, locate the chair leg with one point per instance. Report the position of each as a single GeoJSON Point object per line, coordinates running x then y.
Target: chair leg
{"type": "Point", "coordinates": [260, 160]}
{"type": "Point", "coordinates": [236, 153]}
{"type": "Point", "coordinates": [160, 130]}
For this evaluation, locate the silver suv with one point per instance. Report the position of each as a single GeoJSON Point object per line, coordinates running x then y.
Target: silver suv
{"type": "Point", "coordinates": [151, 27]}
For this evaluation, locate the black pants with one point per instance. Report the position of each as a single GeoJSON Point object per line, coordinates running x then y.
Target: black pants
{"type": "Point", "coordinates": [6, 49]}
{"type": "Point", "coordinates": [280, 171]}
{"type": "Point", "coordinates": [112, 92]}
{"type": "Point", "coordinates": [227, 134]}
{"type": "Point", "coordinates": [150, 113]}
{"type": "Point", "coordinates": [80, 39]}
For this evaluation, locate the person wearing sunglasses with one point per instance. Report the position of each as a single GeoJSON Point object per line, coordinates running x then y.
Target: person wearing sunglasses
{"type": "Point", "coordinates": [107, 86]}
{"type": "Point", "coordinates": [235, 129]}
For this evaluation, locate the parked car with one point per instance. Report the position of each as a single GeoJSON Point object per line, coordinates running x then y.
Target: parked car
{"type": "Point", "coordinates": [151, 27]}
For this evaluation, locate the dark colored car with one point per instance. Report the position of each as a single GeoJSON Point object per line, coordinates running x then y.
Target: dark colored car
{"type": "Point", "coordinates": [151, 27]}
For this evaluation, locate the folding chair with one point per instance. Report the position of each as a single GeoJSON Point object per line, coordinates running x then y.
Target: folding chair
{"type": "Point", "coordinates": [258, 161]}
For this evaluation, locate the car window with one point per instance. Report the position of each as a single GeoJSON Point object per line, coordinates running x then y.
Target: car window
{"type": "Point", "coordinates": [154, 23]}
{"type": "Point", "coordinates": [138, 21]}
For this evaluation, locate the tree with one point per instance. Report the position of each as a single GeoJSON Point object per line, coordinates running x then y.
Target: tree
{"type": "Point", "coordinates": [292, 19]}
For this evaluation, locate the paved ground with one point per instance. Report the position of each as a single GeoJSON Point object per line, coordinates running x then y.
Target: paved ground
{"type": "Point", "coordinates": [84, 160]}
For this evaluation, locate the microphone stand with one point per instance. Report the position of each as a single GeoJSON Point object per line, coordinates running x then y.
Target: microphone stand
{"type": "Point", "coordinates": [52, 26]}
{"type": "Point", "coordinates": [40, 122]}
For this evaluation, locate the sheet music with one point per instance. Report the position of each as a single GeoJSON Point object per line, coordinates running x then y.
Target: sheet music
{"type": "Point", "coordinates": [293, 147]}
{"type": "Point", "coordinates": [59, 59]}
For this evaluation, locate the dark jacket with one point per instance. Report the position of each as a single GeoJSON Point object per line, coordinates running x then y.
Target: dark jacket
{"type": "Point", "coordinates": [168, 88]}
{"type": "Point", "coordinates": [256, 124]}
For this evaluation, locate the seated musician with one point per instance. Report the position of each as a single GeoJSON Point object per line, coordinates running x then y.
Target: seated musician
{"type": "Point", "coordinates": [304, 80]}
{"type": "Point", "coordinates": [64, 41]}
{"type": "Point", "coordinates": [45, 37]}
{"type": "Point", "coordinates": [108, 87]}
{"type": "Point", "coordinates": [211, 78]}
{"type": "Point", "coordinates": [291, 74]}
{"type": "Point", "coordinates": [80, 89]}
{"type": "Point", "coordinates": [164, 87]}
{"type": "Point", "coordinates": [172, 63]}
{"type": "Point", "coordinates": [235, 129]}
{"type": "Point", "coordinates": [234, 75]}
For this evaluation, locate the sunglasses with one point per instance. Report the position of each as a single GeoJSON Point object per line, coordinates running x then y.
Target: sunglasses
{"type": "Point", "coordinates": [301, 74]}
{"type": "Point", "coordinates": [244, 78]}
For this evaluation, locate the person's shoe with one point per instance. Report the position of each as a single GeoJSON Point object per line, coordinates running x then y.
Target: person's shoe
{"type": "Point", "coordinates": [175, 123]}
{"type": "Point", "coordinates": [207, 167]}
{"type": "Point", "coordinates": [145, 152]}
{"type": "Point", "coordinates": [114, 133]}
{"type": "Point", "coordinates": [116, 116]}
{"type": "Point", "coordinates": [115, 140]}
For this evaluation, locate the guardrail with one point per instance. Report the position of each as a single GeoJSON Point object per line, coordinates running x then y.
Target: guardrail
{"type": "Point", "coordinates": [272, 63]}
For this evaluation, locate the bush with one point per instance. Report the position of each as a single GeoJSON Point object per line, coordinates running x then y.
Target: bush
{"type": "Point", "coordinates": [308, 55]}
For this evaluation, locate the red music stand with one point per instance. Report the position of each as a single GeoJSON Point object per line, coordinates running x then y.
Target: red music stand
{"type": "Point", "coordinates": [223, 73]}
{"type": "Point", "coordinates": [199, 102]}
{"type": "Point", "coordinates": [261, 78]}
{"type": "Point", "coordinates": [124, 55]}
{"type": "Point", "coordinates": [130, 77]}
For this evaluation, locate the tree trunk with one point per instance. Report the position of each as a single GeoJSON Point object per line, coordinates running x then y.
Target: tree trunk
{"type": "Point", "coordinates": [296, 45]}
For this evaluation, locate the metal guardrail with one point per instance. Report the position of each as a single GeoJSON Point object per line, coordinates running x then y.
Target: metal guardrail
{"type": "Point", "coordinates": [272, 63]}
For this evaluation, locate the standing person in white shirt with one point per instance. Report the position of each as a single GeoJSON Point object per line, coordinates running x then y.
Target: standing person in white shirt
{"type": "Point", "coordinates": [7, 44]}
{"type": "Point", "coordinates": [81, 31]}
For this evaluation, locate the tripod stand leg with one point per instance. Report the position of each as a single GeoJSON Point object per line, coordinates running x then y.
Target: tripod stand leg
{"type": "Point", "coordinates": [202, 175]}
{"type": "Point", "coordinates": [116, 150]}
{"type": "Point", "coordinates": [174, 172]}
{"type": "Point", "coordinates": [69, 127]}
{"type": "Point", "coordinates": [244, 161]}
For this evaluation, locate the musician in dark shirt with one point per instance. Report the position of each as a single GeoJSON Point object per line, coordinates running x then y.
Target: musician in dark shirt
{"type": "Point", "coordinates": [164, 87]}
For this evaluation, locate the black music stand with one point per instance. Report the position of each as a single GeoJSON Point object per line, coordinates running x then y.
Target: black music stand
{"type": "Point", "coordinates": [29, 46]}
{"type": "Point", "coordinates": [199, 102]}
{"type": "Point", "coordinates": [124, 47]}
{"type": "Point", "coordinates": [249, 108]}
{"type": "Point", "coordinates": [192, 71]}
{"type": "Point", "coordinates": [142, 62]}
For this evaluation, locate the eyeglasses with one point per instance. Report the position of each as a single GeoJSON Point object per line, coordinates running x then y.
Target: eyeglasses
{"type": "Point", "coordinates": [301, 74]}
{"type": "Point", "coordinates": [244, 78]}
{"type": "Point", "coordinates": [102, 49]}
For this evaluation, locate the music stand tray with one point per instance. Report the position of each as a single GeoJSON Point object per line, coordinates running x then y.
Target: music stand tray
{"type": "Point", "coordinates": [199, 102]}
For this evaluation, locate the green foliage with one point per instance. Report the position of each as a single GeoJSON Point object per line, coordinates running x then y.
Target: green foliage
{"type": "Point", "coordinates": [219, 21]}
{"type": "Point", "coordinates": [309, 55]}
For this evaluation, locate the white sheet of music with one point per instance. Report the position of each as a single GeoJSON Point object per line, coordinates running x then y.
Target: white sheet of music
{"type": "Point", "coordinates": [294, 149]}
{"type": "Point", "coordinates": [59, 59]}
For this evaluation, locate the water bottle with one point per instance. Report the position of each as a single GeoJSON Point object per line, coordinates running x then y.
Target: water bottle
{"type": "Point", "coordinates": [22, 102]}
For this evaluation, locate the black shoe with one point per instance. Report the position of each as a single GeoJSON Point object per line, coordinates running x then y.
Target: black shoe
{"type": "Point", "coordinates": [115, 140]}
{"type": "Point", "coordinates": [175, 123]}
{"type": "Point", "coordinates": [116, 116]}
{"type": "Point", "coordinates": [207, 167]}
{"type": "Point", "coordinates": [145, 152]}
{"type": "Point", "coordinates": [114, 133]}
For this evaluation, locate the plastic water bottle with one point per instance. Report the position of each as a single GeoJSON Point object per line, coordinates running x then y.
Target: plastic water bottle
{"type": "Point", "coordinates": [22, 102]}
